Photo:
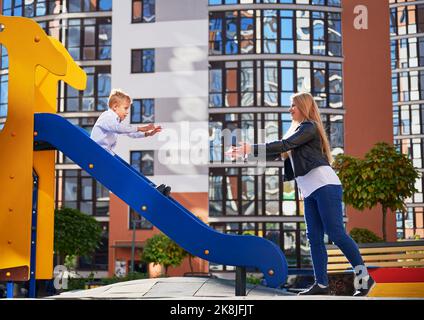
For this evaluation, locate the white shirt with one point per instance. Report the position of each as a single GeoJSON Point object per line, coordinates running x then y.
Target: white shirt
{"type": "Point", "coordinates": [314, 179]}
{"type": "Point", "coordinates": [107, 128]}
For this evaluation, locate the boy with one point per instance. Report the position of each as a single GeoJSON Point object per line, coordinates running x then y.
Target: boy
{"type": "Point", "coordinates": [109, 125]}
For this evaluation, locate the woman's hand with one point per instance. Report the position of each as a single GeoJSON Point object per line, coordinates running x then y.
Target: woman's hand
{"type": "Point", "coordinates": [241, 151]}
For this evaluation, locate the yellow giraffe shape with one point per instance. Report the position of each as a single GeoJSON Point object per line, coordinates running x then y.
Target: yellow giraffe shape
{"type": "Point", "coordinates": [28, 48]}
{"type": "Point", "coordinates": [44, 161]}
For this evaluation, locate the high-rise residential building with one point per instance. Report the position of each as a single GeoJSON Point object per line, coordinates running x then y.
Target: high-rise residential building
{"type": "Point", "coordinates": [211, 66]}
{"type": "Point", "coordinates": [260, 53]}
{"type": "Point", "coordinates": [160, 58]}
{"type": "Point", "coordinates": [407, 50]}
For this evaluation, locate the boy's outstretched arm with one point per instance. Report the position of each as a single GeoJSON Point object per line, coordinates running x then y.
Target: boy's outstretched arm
{"type": "Point", "coordinates": [145, 131]}
{"type": "Point", "coordinates": [110, 124]}
{"type": "Point", "coordinates": [149, 127]}
{"type": "Point", "coordinates": [153, 132]}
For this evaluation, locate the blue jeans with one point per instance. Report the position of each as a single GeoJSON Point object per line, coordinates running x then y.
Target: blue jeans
{"type": "Point", "coordinates": [324, 214]}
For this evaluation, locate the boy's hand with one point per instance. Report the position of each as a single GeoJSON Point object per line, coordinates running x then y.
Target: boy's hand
{"type": "Point", "coordinates": [153, 132]}
{"type": "Point", "coordinates": [149, 127]}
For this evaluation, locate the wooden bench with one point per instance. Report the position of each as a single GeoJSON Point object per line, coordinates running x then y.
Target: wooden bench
{"type": "Point", "coordinates": [397, 267]}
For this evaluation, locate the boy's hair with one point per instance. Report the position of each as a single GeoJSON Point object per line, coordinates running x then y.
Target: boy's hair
{"type": "Point", "coordinates": [117, 95]}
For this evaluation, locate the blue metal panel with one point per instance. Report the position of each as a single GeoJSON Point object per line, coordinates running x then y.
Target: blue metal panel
{"type": "Point", "coordinates": [32, 280]}
{"type": "Point", "coordinates": [9, 290]}
{"type": "Point", "coordinates": [165, 213]}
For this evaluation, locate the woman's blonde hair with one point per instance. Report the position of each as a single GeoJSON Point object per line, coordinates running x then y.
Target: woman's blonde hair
{"type": "Point", "coordinates": [308, 107]}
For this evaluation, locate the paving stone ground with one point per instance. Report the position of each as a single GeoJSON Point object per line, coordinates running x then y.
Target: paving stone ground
{"type": "Point", "coordinates": [188, 288]}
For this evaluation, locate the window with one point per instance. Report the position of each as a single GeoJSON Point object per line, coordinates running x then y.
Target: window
{"type": "Point", "coordinates": [248, 192]}
{"type": "Point", "coordinates": [332, 3]}
{"type": "Point", "coordinates": [94, 97]}
{"type": "Point", "coordinates": [89, 5]}
{"type": "Point", "coordinates": [52, 28]}
{"type": "Point", "coordinates": [142, 60]}
{"type": "Point", "coordinates": [143, 11]}
{"type": "Point", "coordinates": [38, 8]}
{"type": "Point", "coordinates": [89, 39]}
{"type": "Point", "coordinates": [143, 161]}
{"type": "Point", "coordinates": [270, 83]}
{"type": "Point", "coordinates": [139, 266]}
{"type": "Point", "coordinates": [4, 85]}
{"type": "Point", "coordinates": [141, 223]}
{"type": "Point", "coordinates": [410, 225]}
{"type": "Point", "coordinates": [80, 191]}
{"type": "Point", "coordinates": [143, 111]}
{"type": "Point", "coordinates": [31, 9]}
{"type": "Point", "coordinates": [274, 32]}
{"type": "Point", "coordinates": [99, 259]}
{"type": "Point", "coordinates": [105, 5]}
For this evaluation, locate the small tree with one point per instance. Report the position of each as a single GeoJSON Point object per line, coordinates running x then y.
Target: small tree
{"type": "Point", "coordinates": [75, 233]}
{"type": "Point", "coordinates": [385, 176]}
{"type": "Point", "coordinates": [162, 250]}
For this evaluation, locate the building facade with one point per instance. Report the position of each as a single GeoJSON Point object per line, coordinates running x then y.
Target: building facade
{"type": "Point", "coordinates": [260, 53]}
{"type": "Point", "coordinates": [210, 67]}
{"type": "Point", "coordinates": [160, 58]}
{"type": "Point", "coordinates": [407, 51]}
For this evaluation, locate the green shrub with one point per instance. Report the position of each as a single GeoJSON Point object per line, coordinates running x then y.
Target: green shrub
{"type": "Point", "coordinates": [253, 280]}
{"type": "Point", "coordinates": [77, 284]}
{"type": "Point", "coordinates": [361, 235]}
{"type": "Point", "coordinates": [75, 233]}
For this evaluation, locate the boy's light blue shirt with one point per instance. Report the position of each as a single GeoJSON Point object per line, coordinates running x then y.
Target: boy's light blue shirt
{"type": "Point", "coordinates": [107, 128]}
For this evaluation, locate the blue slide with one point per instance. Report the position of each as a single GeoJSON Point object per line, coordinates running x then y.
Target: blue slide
{"type": "Point", "coordinates": [165, 213]}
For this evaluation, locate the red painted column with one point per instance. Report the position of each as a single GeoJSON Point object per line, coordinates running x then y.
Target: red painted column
{"type": "Point", "coordinates": [367, 95]}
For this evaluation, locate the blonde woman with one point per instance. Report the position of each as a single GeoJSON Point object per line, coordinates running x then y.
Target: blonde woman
{"type": "Point", "coordinates": [306, 150]}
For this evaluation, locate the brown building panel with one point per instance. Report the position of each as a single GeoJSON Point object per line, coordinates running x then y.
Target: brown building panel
{"type": "Point", "coordinates": [367, 95]}
{"type": "Point", "coordinates": [120, 236]}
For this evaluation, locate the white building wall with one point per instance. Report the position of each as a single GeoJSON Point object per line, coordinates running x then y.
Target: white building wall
{"type": "Point", "coordinates": [179, 86]}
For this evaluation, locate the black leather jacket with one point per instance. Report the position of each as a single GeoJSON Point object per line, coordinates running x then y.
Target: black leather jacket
{"type": "Point", "coordinates": [306, 148]}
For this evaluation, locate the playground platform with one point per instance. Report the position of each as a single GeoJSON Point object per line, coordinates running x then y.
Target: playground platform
{"type": "Point", "coordinates": [187, 288]}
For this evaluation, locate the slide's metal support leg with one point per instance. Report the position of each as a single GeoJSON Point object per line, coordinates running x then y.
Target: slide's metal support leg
{"type": "Point", "coordinates": [240, 281]}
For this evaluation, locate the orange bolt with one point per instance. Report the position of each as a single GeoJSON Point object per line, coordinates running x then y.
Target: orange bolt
{"type": "Point", "coordinates": [37, 38]}
{"type": "Point", "coordinates": [10, 210]}
{"type": "Point", "coordinates": [13, 134]}
{"type": "Point", "coordinates": [12, 176]}
{"type": "Point", "coordinates": [8, 274]}
{"type": "Point", "coordinates": [9, 242]}
{"type": "Point", "coordinates": [35, 133]}
{"type": "Point", "coordinates": [91, 166]}
{"type": "Point", "coordinates": [271, 272]}
{"type": "Point", "coordinates": [206, 252]}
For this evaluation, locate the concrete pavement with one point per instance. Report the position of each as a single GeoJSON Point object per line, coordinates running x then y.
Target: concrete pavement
{"type": "Point", "coordinates": [189, 288]}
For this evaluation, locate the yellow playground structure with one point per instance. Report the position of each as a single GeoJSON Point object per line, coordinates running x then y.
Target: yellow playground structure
{"type": "Point", "coordinates": [36, 64]}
